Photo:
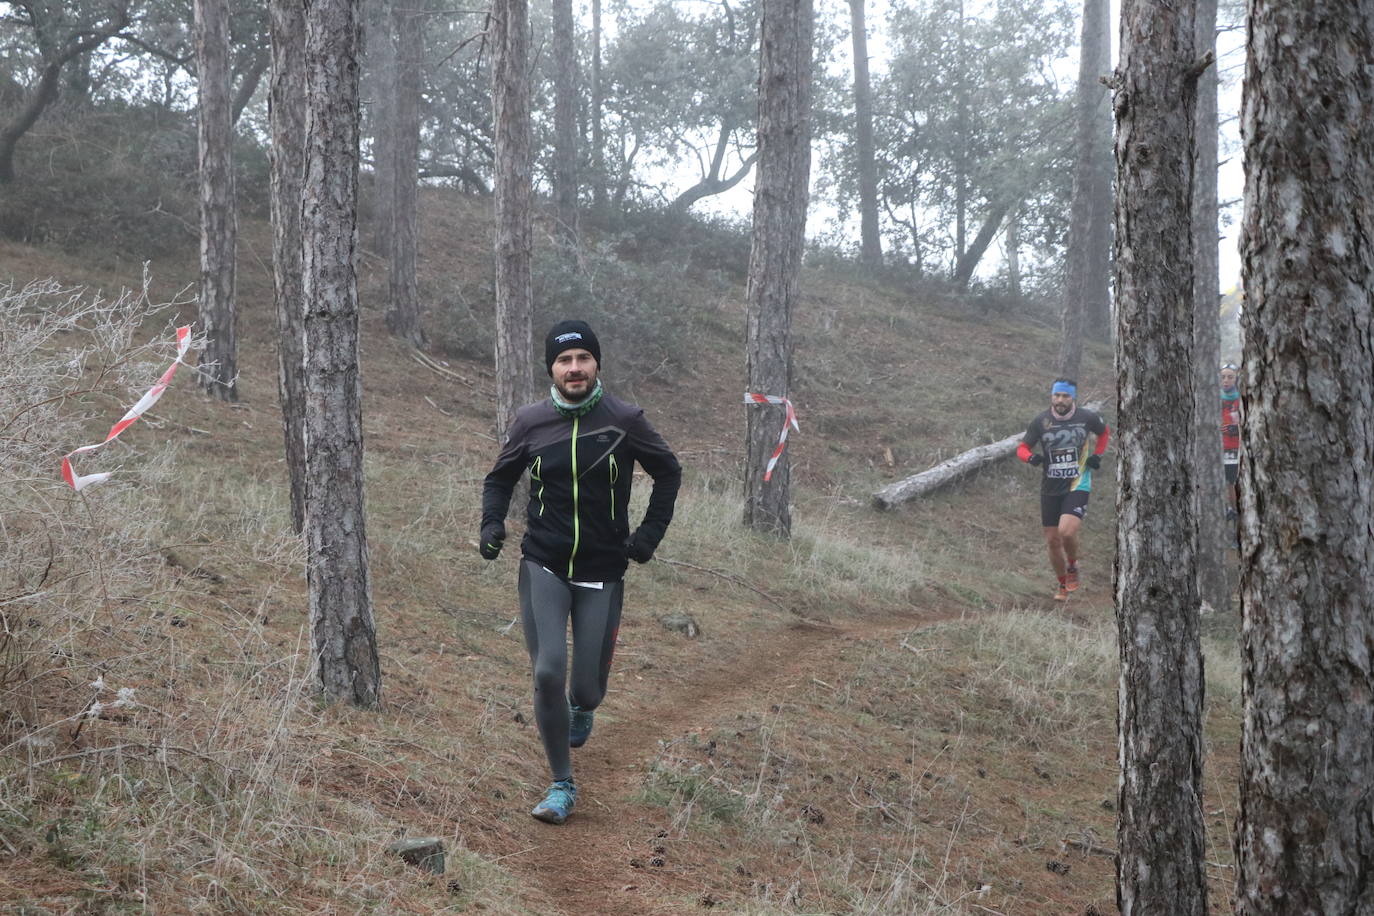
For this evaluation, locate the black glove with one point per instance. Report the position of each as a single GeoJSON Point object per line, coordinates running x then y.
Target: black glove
{"type": "Point", "coordinates": [1036, 459]}
{"type": "Point", "coordinates": [639, 546]}
{"type": "Point", "coordinates": [493, 536]}
{"type": "Point", "coordinates": [1094, 461]}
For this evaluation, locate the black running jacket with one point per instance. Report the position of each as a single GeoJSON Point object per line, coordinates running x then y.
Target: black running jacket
{"type": "Point", "coordinates": [580, 471]}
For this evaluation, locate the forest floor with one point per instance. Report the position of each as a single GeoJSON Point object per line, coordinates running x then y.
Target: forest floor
{"type": "Point", "coordinates": [884, 715]}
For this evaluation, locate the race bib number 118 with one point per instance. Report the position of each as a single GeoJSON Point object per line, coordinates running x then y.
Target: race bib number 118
{"type": "Point", "coordinates": [1063, 463]}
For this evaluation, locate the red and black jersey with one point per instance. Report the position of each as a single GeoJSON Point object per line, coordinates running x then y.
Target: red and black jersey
{"type": "Point", "coordinates": [1230, 430]}
{"type": "Point", "coordinates": [580, 470]}
{"type": "Point", "coordinates": [1064, 444]}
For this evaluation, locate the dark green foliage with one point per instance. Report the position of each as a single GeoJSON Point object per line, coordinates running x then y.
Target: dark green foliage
{"type": "Point", "coordinates": [644, 310]}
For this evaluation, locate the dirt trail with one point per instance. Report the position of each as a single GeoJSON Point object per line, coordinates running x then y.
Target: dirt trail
{"type": "Point", "coordinates": [584, 865]}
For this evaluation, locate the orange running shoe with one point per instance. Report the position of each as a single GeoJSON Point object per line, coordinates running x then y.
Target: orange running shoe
{"type": "Point", "coordinates": [1071, 580]}
{"type": "Point", "coordinates": [1061, 593]}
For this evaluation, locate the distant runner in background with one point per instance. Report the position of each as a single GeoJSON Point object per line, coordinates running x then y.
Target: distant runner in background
{"type": "Point", "coordinates": [579, 446]}
{"type": "Point", "coordinates": [1230, 435]}
{"type": "Point", "coordinates": [1057, 441]}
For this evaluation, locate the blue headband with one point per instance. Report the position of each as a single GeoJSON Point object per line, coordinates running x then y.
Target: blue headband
{"type": "Point", "coordinates": [1064, 388]}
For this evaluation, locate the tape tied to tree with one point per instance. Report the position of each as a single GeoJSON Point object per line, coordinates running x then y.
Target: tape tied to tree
{"type": "Point", "coordinates": [751, 398]}
{"type": "Point", "coordinates": [144, 404]}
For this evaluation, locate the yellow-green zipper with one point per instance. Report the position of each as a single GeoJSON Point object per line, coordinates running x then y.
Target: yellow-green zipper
{"type": "Point", "coordinates": [615, 472]}
{"type": "Point", "coordinates": [535, 475]}
{"type": "Point", "coordinates": [577, 525]}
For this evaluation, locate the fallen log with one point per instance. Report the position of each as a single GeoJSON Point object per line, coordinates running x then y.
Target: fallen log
{"type": "Point", "coordinates": [944, 472]}
{"type": "Point", "coordinates": [949, 470]}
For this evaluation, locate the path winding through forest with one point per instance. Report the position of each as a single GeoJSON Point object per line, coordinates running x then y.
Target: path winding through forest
{"type": "Point", "coordinates": [584, 865]}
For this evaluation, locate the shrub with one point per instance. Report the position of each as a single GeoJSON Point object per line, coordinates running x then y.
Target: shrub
{"type": "Point", "coordinates": [72, 566]}
{"type": "Point", "coordinates": [643, 314]}
{"type": "Point", "coordinates": [120, 179]}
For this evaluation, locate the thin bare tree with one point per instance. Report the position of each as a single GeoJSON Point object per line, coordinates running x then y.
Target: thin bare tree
{"type": "Point", "coordinates": [403, 308]}
{"type": "Point", "coordinates": [1161, 867]}
{"type": "Point", "coordinates": [870, 243]}
{"type": "Point", "coordinates": [380, 59]}
{"type": "Point", "coordinates": [1209, 478]}
{"type": "Point", "coordinates": [286, 116]}
{"type": "Point", "coordinates": [218, 215]}
{"type": "Point", "coordinates": [596, 158]}
{"type": "Point", "coordinates": [510, 43]}
{"type": "Point", "coordinates": [780, 200]}
{"type": "Point", "coordinates": [565, 99]}
{"type": "Point", "coordinates": [1304, 840]}
{"type": "Point", "coordinates": [1085, 270]}
{"type": "Point", "coordinates": [1097, 300]}
{"type": "Point", "coordinates": [337, 574]}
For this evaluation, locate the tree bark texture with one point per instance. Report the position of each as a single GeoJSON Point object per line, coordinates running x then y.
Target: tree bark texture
{"type": "Point", "coordinates": [510, 37]}
{"type": "Point", "coordinates": [1091, 162]}
{"type": "Point", "coordinates": [286, 117]}
{"type": "Point", "coordinates": [218, 215]}
{"type": "Point", "coordinates": [403, 310]}
{"type": "Point", "coordinates": [1305, 836]}
{"type": "Point", "coordinates": [380, 50]}
{"type": "Point", "coordinates": [780, 201]}
{"type": "Point", "coordinates": [1161, 867]}
{"type": "Point", "coordinates": [1209, 479]}
{"type": "Point", "coordinates": [870, 243]}
{"type": "Point", "coordinates": [565, 94]}
{"type": "Point", "coordinates": [341, 624]}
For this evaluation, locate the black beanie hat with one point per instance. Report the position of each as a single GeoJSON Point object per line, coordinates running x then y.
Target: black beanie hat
{"type": "Point", "coordinates": [570, 335]}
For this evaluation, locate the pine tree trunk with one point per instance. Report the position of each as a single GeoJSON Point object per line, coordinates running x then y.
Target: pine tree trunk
{"type": "Point", "coordinates": [340, 593]}
{"type": "Point", "coordinates": [218, 216]}
{"type": "Point", "coordinates": [565, 92]}
{"type": "Point", "coordinates": [597, 159]}
{"type": "Point", "coordinates": [870, 245]}
{"type": "Point", "coordinates": [403, 312]}
{"type": "Point", "coordinates": [510, 39]}
{"type": "Point", "coordinates": [1161, 867]}
{"type": "Point", "coordinates": [1304, 840]}
{"type": "Point", "coordinates": [780, 200]}
{"type": "Point", "coordinates": [1091, 160]}
{"type": "Point", "coordinates": [380, 50]}
{"type": "Point", "coordinates": [1210, 480]}
{"type": "Point", "coordinates": [286, 114]}
{"type": "Point", "coordinates": [1097, 294]}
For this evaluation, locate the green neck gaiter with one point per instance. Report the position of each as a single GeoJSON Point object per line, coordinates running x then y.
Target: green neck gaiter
{"type": "Point", "coordinates": [578, 409]}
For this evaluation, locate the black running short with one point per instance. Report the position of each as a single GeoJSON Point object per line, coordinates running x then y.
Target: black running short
{"type": "Point", "coordinates": [1073, 503]}
{"type": "Point", "coordinates": [1232, 472]}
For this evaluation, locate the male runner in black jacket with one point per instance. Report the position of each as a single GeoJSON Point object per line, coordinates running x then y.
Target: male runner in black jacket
{"type": "Point", "coordinates": [579, 446]}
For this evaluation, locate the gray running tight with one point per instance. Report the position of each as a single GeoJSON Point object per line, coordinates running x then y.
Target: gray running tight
{"type": "Point", "coordinates": [546, 603]}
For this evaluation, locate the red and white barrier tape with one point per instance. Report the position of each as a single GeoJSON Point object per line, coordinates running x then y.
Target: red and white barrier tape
{"type": "Point", "coordinates": [751, 398]}
{"type": "Point", "coordinates": [144, 403]}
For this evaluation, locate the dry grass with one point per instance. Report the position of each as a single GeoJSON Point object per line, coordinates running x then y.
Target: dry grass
{"type": "Point", "coordinates": [877, 717]}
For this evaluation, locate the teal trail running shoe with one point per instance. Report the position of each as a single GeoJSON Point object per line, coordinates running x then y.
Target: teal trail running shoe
{"type": "Point", "coordinates": [558, 803]}
{"type": "Point", "coordinates": [579, 725]}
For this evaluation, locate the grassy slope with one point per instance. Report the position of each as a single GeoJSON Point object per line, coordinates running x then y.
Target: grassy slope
{"type": "Point", "coordinates": [882, 716]}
